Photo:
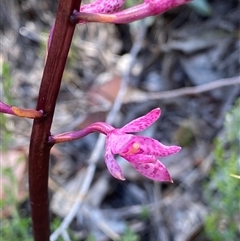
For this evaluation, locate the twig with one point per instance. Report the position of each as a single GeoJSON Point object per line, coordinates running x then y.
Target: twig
{"type": "Point", "coordinates": [161, 230]}
{"type": "Point", "coordinates": [141, 96]}
{"type": "Point", "coordinates": [96, 216]}
{"type": "Point", "coordinates": [96, 153]}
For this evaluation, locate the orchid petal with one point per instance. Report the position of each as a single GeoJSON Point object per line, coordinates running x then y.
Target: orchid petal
{"type": "Point", "coordinates": [150, 146]}
{"type": "Point", "coordinates": [119, 142]}
{"type": "Point", "coordinates": [153, 170]}
{"type": "Point", "coordinates": [142, 122]}
{"type": "Point", "coordinates": [140, 158]}
{"type": "Point", "coordinates": [111, 163]}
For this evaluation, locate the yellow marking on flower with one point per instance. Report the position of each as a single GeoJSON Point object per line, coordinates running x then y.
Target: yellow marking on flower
{"type": "Point", "coordinates": [133, 149]}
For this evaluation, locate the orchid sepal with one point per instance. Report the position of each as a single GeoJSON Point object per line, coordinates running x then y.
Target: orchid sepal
{"type": "Point", "coordinates": [155, 171]}
{"type": "Point", "coordinates": [150, 167]}
{"type": "Point", "coordinates": [111, 163]}
{"type": "Point", "coordinates": [142, 122]}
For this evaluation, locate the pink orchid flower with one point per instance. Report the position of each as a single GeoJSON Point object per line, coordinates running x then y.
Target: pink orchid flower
{"type": "Point", "coordinates": [141, 152]}
{"type": "Point", "coordinates": [108, 11]}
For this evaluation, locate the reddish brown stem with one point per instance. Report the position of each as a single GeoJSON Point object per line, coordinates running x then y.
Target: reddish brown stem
{"type": "Point", "coordinates": [39, 147]}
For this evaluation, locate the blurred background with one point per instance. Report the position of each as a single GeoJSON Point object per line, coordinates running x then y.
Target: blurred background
{"type": "Point", "coordinates": [185, 62]}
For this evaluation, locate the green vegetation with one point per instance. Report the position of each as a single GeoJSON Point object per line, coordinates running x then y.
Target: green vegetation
{"type": "Point", "coordinates": [5, 87]}
{"type": "Point", "coordinates": [129, 235]}
{"type": "Point", "coordinates": [130, 3]}
{"type": "Point", "coordinates": [6, 83]}
{"type": "Point", "coordinates": [222, 193]}
{"type": "Point", "coordinates": [14, 227]}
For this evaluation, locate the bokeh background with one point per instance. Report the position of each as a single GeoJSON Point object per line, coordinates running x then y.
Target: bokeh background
{"type": "Point", "coordinates": [186, 62]}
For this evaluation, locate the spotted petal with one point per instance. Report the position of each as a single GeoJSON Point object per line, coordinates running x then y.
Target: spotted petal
{"type": "Point", "coordinates": [140, 158]}
{"type": "Point", "coordinates": [151, 146]}
{"type": "Point", "coordinates": [153, 170]}
{"type": "Point", "coordinates": [111, 163]}
{"type": "Point", "coordinates": [142, 122]}
{"type": "Point", "coordinates": [103, 6]}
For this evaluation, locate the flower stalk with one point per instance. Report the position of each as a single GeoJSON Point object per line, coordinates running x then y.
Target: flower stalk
{"type": "Point", "coordinates": [20, 112]}
{"type": "Point", "coordinates": [100, 127]}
